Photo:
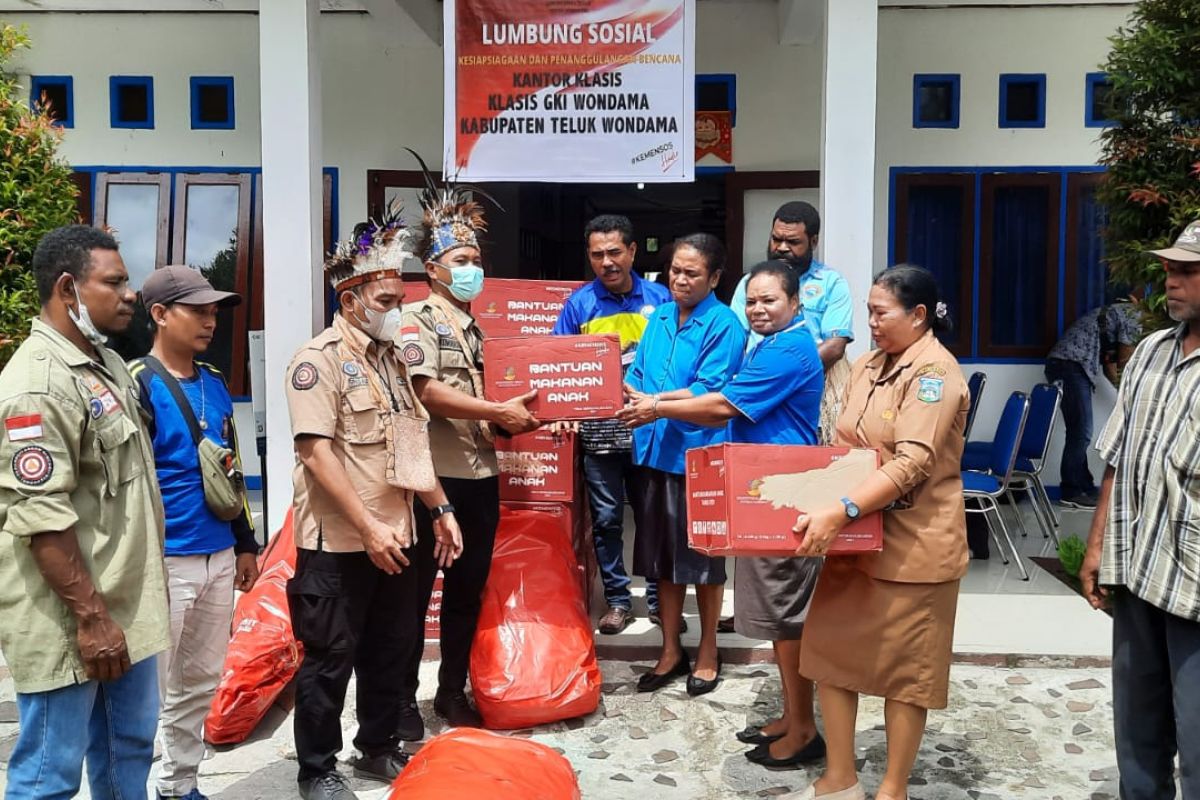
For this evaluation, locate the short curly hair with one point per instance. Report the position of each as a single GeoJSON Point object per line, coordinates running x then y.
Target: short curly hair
{"type": "Point", "coordinates": [67, 249]}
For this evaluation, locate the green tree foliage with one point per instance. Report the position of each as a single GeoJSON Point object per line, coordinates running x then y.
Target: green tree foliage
{"type": "Point", "coordinates": [1152, 189]}
{"type": "Point", "coordinates": [36, 195]}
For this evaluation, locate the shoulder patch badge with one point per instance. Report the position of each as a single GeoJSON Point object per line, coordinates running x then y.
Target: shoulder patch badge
{"type": "Point", "coordinates": [304, 376]}
{"type": "Point", "coordinates": [350, 368]}
{"type": "Point", "coordinates": [33, 465]}
{"type": "Point", "coordinates": [929, 390]}
{"type": "Point", "coordinates": [410, 333]}
{"type": "Point", "coordinates": [26, 427]}
{"type": "Point", "coordinates": [442, 329]}
{"type": "Point", "coordinates": [931, 369]}
{"type": "Point", "coordinates": [412, 354]}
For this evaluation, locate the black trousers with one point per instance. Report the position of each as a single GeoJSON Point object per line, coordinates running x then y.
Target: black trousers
{"type": "Point", "coordinates": [350, 616]}
{"type": "Point", "coordinates": [477, 507]}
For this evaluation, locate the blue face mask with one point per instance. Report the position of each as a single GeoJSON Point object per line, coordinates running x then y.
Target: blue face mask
{"type": "Point", "coordinates": [466, 282]}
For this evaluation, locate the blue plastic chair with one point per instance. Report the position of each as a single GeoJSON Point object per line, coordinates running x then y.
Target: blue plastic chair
{"type": "Point", "coordinates": [1044, 403]}
{"type": "Point", "coordinates": [987, 487]}
{"type": "Point", "coordinates": [975, 386]}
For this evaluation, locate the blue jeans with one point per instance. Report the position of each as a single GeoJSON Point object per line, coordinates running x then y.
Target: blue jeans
{"type": "Point", "coordinates": [610, 477]}
{"type": "Point", "coordinates": [1156, 699]}
{"type": "Point", "coordinates": [1076, 478]}
{"type": "Point", "coordinates": [112, 724]}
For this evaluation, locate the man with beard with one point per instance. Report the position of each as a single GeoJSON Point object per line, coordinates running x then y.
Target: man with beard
{"type": "Point", "coordinates": [83, 596]}
{"type": "Point", "coordinates": [1142, 556]}
{"type": "Point", "coordinates": [824, 297]}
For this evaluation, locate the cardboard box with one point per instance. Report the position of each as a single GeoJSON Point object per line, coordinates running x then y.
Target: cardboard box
{"type": "Point", "coordinates": [577, 377]}
{"type": "Point", "coordinates": [511, 307]}
{"type": "Point", "coordinates": [540, 466]}
{"type": "Point", "coordinates": [433, 614]}
{"type": "Point", "coordinates": [575, 522]}
{"type": "Point", "coordinates": [743, 499]}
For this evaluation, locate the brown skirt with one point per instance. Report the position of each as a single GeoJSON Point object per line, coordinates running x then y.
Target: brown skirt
{"type": "Point", "coordinates": [881, 638]}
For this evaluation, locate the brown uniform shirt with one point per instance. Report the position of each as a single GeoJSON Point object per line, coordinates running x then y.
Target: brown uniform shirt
{"type": "Point", "coordinates": [915, 413]}
{"type": "Point", "coordinates": [328, 395]}
{"type": "Point", "coordinates": [432, 350]}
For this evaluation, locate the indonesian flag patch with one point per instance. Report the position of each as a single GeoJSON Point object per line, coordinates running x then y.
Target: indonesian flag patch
{"type": "Point", "coordinates": [22, 429]}
{"type": "Point", "coordinates": [410, 333]}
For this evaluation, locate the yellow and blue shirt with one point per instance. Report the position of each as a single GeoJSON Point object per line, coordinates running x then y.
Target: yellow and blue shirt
{"type": "Point", "coordinates": [593, 309]}
{"type": "Point", "coordinates": [778, 390]}
{"type": "Point", "coordinates": [825, 302]}
{"type": "Point", "coordinates": [701, 356]}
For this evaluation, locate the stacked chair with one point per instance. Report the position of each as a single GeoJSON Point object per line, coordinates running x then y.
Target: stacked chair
{"type": "Point", "coordinates": [993, 480]}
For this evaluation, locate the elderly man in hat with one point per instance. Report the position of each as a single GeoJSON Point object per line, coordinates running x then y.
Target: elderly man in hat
{"type": "Point", "coordinates": [362, 455]}
{"type": "Point", "coordinates": [1143, 553]}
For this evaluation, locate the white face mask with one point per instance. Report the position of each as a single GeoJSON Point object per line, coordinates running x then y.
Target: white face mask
{"type": "Point", "coordinates": [83, 321]}
{"type": "Point", "coordinates": [381, 326]}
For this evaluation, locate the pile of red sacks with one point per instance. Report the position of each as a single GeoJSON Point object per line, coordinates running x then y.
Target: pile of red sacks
{"type": "Point", "coordinates": [263, 655]}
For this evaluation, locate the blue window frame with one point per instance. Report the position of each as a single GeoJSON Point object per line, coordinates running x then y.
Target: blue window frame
{"type": "Point", "coordinates": [131, 101]}
{"type": "Point", "coordinates": [1096, 98]}
{"type": "Point", "coordinates": [59, 94]}
{"type": "Point", "coordinates": [1023, 101]}
{"type": "Point", "coordinates": [212, 102]}
{"type": "Point", "coordinates": [1017, 251]}
{"type": "Point", "coordinates": [936, 101]}
{"type": "Point", "coordinates": [717, 92]}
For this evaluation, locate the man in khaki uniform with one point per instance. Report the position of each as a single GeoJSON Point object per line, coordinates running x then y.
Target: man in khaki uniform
{"type": "Point", "coordinates": [362, 455]}
{"type": "Point", "coordinates": [443, 348]}
{"type": "Point", "coordinates": [83, 602]}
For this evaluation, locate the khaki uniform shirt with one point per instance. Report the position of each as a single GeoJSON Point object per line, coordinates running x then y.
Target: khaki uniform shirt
{"type": "Point", "coordinates": [328, 396]}
{"type": "Point", "coordinates": [432, 350]}
{"type": "Point", "coordinates": [76, 455]}
{"type": "Point", "coordinates": [914, 413]}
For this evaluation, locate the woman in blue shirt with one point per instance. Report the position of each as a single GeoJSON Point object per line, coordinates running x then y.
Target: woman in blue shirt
{"type": "Point", "coordinates": [691, 346]}
{"type": "Point", "coordinates": [775, 398]}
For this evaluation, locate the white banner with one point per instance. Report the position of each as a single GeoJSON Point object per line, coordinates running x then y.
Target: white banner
{"type": "Point", "coordinates": [538, 91]}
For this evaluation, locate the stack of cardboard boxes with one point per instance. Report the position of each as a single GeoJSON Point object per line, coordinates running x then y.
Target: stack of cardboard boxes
{"type": "Point", "coordinates": [541, 470]}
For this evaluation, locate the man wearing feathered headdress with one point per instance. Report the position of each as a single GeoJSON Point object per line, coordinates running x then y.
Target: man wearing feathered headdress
{"type": "Point", "coordinates": [362, 453]}
{"type": "Point", "coordinates": [443, 348]}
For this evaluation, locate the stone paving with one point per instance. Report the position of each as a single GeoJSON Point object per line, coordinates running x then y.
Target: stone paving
{"type": "Point", "coordinates": [1032, 732]}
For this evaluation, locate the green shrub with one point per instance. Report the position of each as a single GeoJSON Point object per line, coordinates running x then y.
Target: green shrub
{"type": "Point", "coordinates": [1152, 187]}
{"type": "Point", "coordinates": [36, 195]}
{"type": "Point", "coordinates": [1070, 554]}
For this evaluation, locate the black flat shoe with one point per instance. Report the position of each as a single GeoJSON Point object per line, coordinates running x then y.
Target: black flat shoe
{"type": "Point", "coordinates": [652, 681]}
{"type": "Point", "coordinates": [698, 686]}
{"type": "Point", "coordinates": [813, 751]}
{"type": "Point", "coordinates": [753, 734]}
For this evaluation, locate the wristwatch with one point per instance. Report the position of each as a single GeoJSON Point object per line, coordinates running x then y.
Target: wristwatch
{"type": "Point", "coordinates": [437, 511]}
{"type": "Point", "coordinates": [851, 509]}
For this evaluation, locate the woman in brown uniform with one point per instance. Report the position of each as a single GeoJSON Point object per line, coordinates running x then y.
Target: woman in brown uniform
{"type": "Point", "coordinates": [882, 624]}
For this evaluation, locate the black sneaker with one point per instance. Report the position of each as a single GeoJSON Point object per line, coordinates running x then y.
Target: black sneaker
{"type": "Point", "coordinates": [456, 709]}
{"type": "Point", "coordinates": [411, 727]}
{"type": "Point", "coordinates": [329, 786]}
{"type": "Point", "coordinates": [1083, 501]}
{"type": "Point", "coordinates": [383, 768]}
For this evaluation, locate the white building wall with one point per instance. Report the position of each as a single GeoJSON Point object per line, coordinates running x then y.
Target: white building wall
{"type": "Point", "coordinates": [1065, 43]}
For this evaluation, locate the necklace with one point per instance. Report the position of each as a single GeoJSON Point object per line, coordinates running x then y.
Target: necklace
{"type": "Point", "coordinates": [203, 404]}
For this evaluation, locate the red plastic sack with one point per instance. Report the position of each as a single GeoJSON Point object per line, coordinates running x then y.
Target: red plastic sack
{"type": "Point", "coordinates": [533, 660]}
{"type": "Point", "coordinates": [263, 656]}
{"type": "Point", "coordinates": [470, 764]}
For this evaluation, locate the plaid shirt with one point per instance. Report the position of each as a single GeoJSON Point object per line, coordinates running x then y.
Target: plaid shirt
{"type": "Point", "coordinates": [1152, 440]}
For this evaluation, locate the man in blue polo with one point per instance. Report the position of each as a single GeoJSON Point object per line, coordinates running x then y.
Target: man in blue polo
{"type": "Point", "coordinates": [618, 302]}
{"type": "Point", "coordinates": [825, 301]}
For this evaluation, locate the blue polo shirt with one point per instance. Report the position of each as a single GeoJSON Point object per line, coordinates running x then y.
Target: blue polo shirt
{"type": "Point", "coordinates": [778, 390]}
{"type": "Point", "coordinates": [191, 527]}
{"type": "Point", "coordinates": [825, 302]}
{"type": "Point", "coordinates": [700, 356]}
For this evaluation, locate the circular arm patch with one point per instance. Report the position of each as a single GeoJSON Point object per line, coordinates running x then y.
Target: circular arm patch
{"type": "Point", "coordinates": [33, 465]}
